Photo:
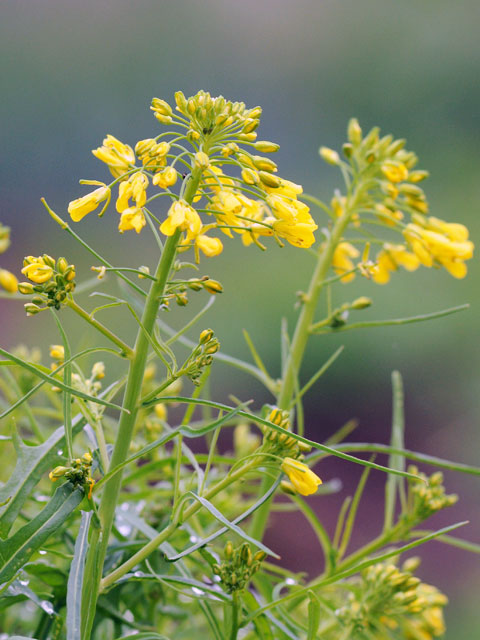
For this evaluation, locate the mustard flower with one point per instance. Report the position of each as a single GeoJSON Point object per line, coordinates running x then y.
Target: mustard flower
{"type": "Point", "coordinates": [132, 218]}
{"type": "Point", "coordinates": [8, 281]}
{"type": "Point", "coordinates": [79, 208]}
{"type": "Point", "coordinates": [118, 156]}
{"type": "Point", "coordinates": [166, 178]}
{"type": "Point", "coordinates": [181, 216]}
{"type": "Point", "coordinates": [389, 259]}
{"type": "Point", "coordinates": [342, 260]}
{"type": "Point", "coordinates": [303, 479]}
{"type": "Point", "coordinates": [38, 271]}
{"type": "Point", "coordinates": [208, 246]}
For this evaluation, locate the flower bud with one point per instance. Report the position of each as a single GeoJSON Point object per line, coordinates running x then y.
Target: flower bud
{"type": "Point", "coordinates": [347, 149]}
{"type": "Point", "coordinates": [264, 164]}
{"type": "Point", "coordinates": [144, 146]}
{"type": "Point", "coordinates": [98, 371]}
{"type": "Point", "coordinates": [228, 552]}
{"type": "Point", "coordinates": [26, 288]}
{"type": "Point", "coordinates": [163, 119]}
{"type": "Point", "coordinates": [361, 303]}
{"type": "Point", "coordinates": [206, 336]}
{"type": "Point", "coordinates": [57, 352]}
{"type": "Point", "coordinates": [213, 286]}
{"type": "Point", "coordinates": [247, 137]}
{"type": "Point", "coordinates": [354, 132]}
{"type": "Point", "coordinates": [8, 281]}
{"type": "Point", "coordinates": [268, 179]}
{"type": "Point", "coordinates": [250, 177]}
{"type": "Point", "coordinates": [329, 155]}
{"type": "Point", "coordinates": [161, 411]}
{"type": "Point", "coordinates": [162, 107]}
{"type": "Point", "coordinates": [202, 160]}
{"type": "Point", "coordinates": [264, 146]}
{"type": "Point", "coordinates": [58, 472]}
{"type": "Point", "coordinates": [144, 270]}
{"type": "Point", "coordinates": [181, 101]}
{"type": "Point", "coordinates": [62, 265]}
{"type": "Point", "coordinates": [31, 309]}
{"type": "Point", "coordinates": [250, 125]}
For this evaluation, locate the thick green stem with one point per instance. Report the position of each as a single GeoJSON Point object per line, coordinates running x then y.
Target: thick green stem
{"type": "Point", "coordinates": [99, 540]}
{"type": "Point", "coordinates": [300, 339]}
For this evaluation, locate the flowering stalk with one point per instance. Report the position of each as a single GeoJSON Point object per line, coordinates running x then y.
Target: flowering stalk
{"type": "Point", "coordinates": [96, 555]}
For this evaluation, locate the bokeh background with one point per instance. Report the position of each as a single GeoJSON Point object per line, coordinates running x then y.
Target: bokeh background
{"type": "Point", "coordinates": [73, 71]}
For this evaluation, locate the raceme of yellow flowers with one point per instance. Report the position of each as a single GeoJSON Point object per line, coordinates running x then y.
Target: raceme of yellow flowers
{"type": "Point", "coordinates": [254, 204]}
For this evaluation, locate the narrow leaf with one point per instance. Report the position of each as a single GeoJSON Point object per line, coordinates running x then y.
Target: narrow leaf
{"type": "Point", "coordinates": [313, 616]}
{"type": "Point", "coordinates": [75, 579]}
{"type": "Point", "coordinates": [32, 464]}
{"type": "Point", "coordinates": [221, 518]}
{"type": "Point", "coordinates": [397, 441]}
{"type": "Point", "coordinates": [17, 550]}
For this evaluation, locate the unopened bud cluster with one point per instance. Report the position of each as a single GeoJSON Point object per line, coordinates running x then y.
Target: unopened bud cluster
{"type": "Point", "coordinates": [239, 565]}
{"type": "Point", "coordinates": [426, 498]}
{"type": "Point", "coordinates": [281, 444]}
{"type": "Point", "coordinates": [52, 281]}
{"type": "Point", "coordinates": [201, 356]}
{"type": "Point", "coordinates": [178, 290]}
{"type": "Point", "coordinates": [79, 472]}
{"type": "Point", "coordinates": [386, 598]}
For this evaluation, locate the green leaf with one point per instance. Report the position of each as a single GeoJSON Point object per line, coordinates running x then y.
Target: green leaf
{"type": "Point", "coordinates": [395, 461]}
{"type": "Point", "coordinates": [313, 616]}
{"type": "Point", "coordinates": [75, 579]}
{"type": "Point", "coordinates": [221, 518]}
{"type": "Point", "coordinates": [32, 464]}
{"type": "Point", "coordinates": [47, 573]}
{"type": "Point", "coordinates": [52, 379]}
{"type": "Point", "coordinates": [388, 323]}
{"type": "Point", "coordinates": [290, 434]}
{"type": "Point", "coordinates": [16, 550]}
{"type": "Point", "coordinates": [220, 532]}
{"type": "Point", "coordinates": [261, 623]}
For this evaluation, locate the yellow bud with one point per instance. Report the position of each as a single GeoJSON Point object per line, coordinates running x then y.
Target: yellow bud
{"type": "Point", "coordinates": [87, 458]}
{"type": "Point", "coordinates": [57, 352]}
{"type": "Point", "coordinates": [58, 472]}
{"type": "Point", "coordinates": [329, 155]}
{"type": "Point", "coordinates": [206, 336]}
{"type": "Point", "coordinates": [161, 411]}
{"type": "Point", "coordinates": [361, 303]}
{"type": "Point", "coordinates": [162, 107]}
{"type": "Point", "coordinates": [212, 286]}
{"type": "Point", "coordinates": [8, 281]}
{"type": "Point", "coordinates": [98, 371]}
{"type": "Point", "coordinates": [250, 125]}
{"type": "Point", "coordinates": [418, 176]}
{"type": "Point", "coordinates": [202, 160]}
{"type": "Point", "coordinates": [181, 101]}
{"type": "Point", "coordinates": [248, 137]}
{"type": "Point", "coordinates": [264, 164]}
{"type": "Point", "coordinates": [144, 146]}
{"type": "Point", "coordinates": [25, 287]}
{"type": "Point", "coordinates": [268, 179]}
{"type": "Point", "coordinates": [264, 146]}
{"type": "Point", "coordinates": [162, 118]}
{"type": "Point", "coordinates": [145, 270]}
{"type": "Point", "coordinates": [354, 132]}
{"type": "Point", "coordinates": [249, 176]}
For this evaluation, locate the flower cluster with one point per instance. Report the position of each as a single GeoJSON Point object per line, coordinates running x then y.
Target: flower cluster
{"type": "Point", "coordinates": [79, 472]}
{"type": "Point", "coordinates": [254, 203]}
{"type": "Point", "coordinates": [387, 192]}
{"type": "Point", "coordinates": [53, 281]}
{"type": "Point", "coordinates": [427, 497]}
{"type": "Point", "coordinates": [239, 566]}
{"type": "Point", "coordinates": [8, 281]}
{"type": "Point", "coordinates": [389, 600]}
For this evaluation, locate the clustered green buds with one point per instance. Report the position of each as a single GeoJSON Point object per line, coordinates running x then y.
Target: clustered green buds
{"type": "Point", "coordinates": [53, 281]}
{"type": "Point", "coordinates": [386, 597]}
{"type": "Point", "coordinates": [426, 498]}
{"type": "Point", "coordinates": [79, 472]}
{"type": "Point", "coordinates": [201, 356]}
{"type": "Point", "coordinates": [178, 289]}
{"type": "Point", "coordinates": [281, 444]}
{"type": "Point", "coordinates": [239, 566]}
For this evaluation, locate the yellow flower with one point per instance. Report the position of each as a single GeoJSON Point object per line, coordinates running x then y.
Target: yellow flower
{"type": "Point", "coordinates": [166, 178]}
{"type": "Point", "coordinates": [303, 479]}
{"type": "Point", "coordinates": [135, 188]}
{"type": "Point", "coordinates": [181, 216]}
{"type": "Point", "coordinates": [57, 352]}
{"type": "Point", "coordinates": [79, 208]}
{"type": "Point", "coordinates": [342, 262]}
{"type": "Point", "coordinates": [209, 246]}
{"type": "Point", "coordinates": [38, 271]}
{"type": "Point", "coordinates": [8, 281]}
{"type": "Point", "coordinates": [118, 156]}
{"type": "Point", "coordinates": [445, 243]}
{"type": "Point", "coordinates": [132, 218]}
{"type": "Point", "coordinates": [389, 259]}
{"type": "Point", "coordinates": [300, 234]}
{"type": "Point", "coordinates": [395, 171]}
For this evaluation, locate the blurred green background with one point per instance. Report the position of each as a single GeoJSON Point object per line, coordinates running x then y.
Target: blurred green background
{"type": "Point", "coordinates": [73, 71]}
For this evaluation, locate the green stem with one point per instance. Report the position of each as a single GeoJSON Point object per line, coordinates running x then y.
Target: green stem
{"type": "Point", "coordinates": [128, 351]}
{"type": "Point", "coordinates": [300, 339]}
{"type": "Point", "coordinates": [99, 541]}
{"type": "Point", "coordinates": [163, 535]}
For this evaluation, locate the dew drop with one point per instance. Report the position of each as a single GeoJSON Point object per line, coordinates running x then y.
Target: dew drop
{"type": "Point", "coordinates": [47, 607]}
{"type": "Point", "coordinates": [199, 592]}
{"type": "Point", "coordinates": [42, 552]}
{"type": "Point", "coordinates": [193, 539]}
{"type": "Point", "coordinates": [289, 581]}
{"type": "Point", "coordinates": [60, 452]}
{"type": "Point", "coordinates": [24, 583]}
